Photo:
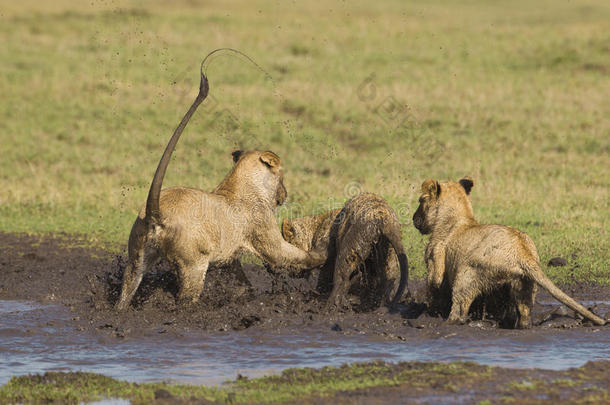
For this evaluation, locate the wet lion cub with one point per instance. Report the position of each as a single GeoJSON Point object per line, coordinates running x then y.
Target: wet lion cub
{"type": "Point", "coordinates": [364, 230]}
{"type": "Point", "coordinates": [476, 258]}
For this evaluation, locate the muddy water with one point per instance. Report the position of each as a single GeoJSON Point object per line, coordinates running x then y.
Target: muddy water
{"type": "Point", "coordinates": [37, 338]}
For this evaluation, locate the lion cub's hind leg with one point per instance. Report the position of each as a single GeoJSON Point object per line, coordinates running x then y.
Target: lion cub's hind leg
{"type": "Point", "coordinates": [346, 263]}
{"type": "Point", "coordinates": [344, 266]}
{"type": "Point", "coordinates": [132, 276]}
{"type": "Point", "coordinates": [191, 277]}
{"type": "Point", "coordinates": [524, 294]}
{"type": "Point", "coordinates": [465, 290]}
{"type": "Point", "coordinates": [139, 262]}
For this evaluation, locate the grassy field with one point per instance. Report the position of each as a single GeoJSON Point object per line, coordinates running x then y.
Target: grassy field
{"type": "Point", "coordinates": [374, 96]}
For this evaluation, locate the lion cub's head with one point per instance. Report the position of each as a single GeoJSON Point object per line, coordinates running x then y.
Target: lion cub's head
{"type": "Point", "coordinates": [309, 232]}
{"type": "Point", "coordinates": [443, 204]}
{"type": "Point", "coordinates": [298, 232]}
{"type": "Point", "coordinates": [260, 172]}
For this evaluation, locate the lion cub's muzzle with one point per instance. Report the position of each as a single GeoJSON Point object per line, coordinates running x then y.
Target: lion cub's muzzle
{"type": "Point", "coordinates": [281, 194]}
{"type": "Point", "coordinates": [419, 221]}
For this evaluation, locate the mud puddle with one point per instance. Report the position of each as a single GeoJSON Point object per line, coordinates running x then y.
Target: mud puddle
{"type": "Point", "coordinates": [56, 313]}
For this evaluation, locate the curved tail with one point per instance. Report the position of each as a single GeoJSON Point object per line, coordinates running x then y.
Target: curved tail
{"type": "Point", "coordinates": [538, 276]}
{"type": "Point", "coordinates": [153, 212]}
{"type": "Point", "coordinates": [395, 239]}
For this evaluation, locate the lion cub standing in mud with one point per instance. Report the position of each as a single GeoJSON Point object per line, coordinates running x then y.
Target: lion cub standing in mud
{"type": "Point", "coordinates": [366, 227]}
{"type": "Point", "coordinates": [477, 259]}
{"type": "Point", "coordinates": [199, 228]}
{"type": "Point", "coordinates": [193, 229]}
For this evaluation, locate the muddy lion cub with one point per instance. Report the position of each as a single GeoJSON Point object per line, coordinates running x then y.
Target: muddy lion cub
{"type": "Point", "coordinates": [366, 228]}
{"type": "Point", "coordinates": [193, 228]}
{"type": "Point", "coordinates": [476, 258]}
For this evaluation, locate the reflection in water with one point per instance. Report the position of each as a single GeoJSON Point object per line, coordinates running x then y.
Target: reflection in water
{"type": "Point", "coordinates": [36, 338]}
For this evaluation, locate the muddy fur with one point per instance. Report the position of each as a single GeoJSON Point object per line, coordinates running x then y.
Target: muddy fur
{"type": "Point", "coordinates": [473, 259]}
{"type": "Point", "coordinates": [361, 241]}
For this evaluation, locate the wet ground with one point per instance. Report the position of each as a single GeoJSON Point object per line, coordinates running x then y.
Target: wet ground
{"type": "Point", "coordinates": [56, 314]}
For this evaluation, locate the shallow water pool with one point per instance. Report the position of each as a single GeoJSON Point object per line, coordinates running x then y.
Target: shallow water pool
{"type": "Point", "coordinates": [35, 338]}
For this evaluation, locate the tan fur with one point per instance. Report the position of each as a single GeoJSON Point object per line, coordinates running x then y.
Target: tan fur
{"type": "Point", "coordinates": [198, 228]}
{"type": "Point", "coordinates": [366, 227]}
{"type": "Point", "coordinates": [476, 258]}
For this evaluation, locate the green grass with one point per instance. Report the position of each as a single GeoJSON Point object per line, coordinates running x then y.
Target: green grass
{"type": "Point", "coordinates": [413, 380]}
{"type": "Point", "coordinates": [514, 95]}
{"type": "Point", "coordinates": [290, 385]}
{"type": "Point", "coordinates": [79, 387]}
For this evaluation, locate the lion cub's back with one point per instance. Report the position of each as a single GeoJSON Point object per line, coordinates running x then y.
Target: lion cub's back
{"type": "Point", "coordinates": [188, 207]}
{"type": "Point", "coordinates": [369, 208]}
{"type": "Point", "coordinates": [366, 218]}
{"type": "Point", "coordinates": [362, 221]}
{"type": "Point", "coordinates": [495, 246]}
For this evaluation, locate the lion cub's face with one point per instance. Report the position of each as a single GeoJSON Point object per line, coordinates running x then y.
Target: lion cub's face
{"type": "Point", "coordinates": [309, 232]}
{"type": "Point", "coordinates": [264, 169]}
{"type": "Point", "coordinates": [298, 232]}
{"type": "Point", "coordinates": [442, 203]}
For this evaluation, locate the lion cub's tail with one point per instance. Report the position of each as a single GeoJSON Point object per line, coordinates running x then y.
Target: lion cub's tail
{"type": "Point", "coordinates": [538, 275]}
{"type": "Point", "coordinates": [153, 212]}
{"type": "Point", "coordinates": [392, 233]}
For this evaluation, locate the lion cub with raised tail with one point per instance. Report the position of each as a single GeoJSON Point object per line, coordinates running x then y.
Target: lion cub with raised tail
{"type": "Point", "coordinates": [476, 259]}
{"type": "Point", "coordinates": [194, 228]}
{"type": "Point", "coordinates": [365, 230]}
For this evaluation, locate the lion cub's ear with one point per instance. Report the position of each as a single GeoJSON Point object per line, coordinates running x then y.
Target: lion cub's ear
{"type": "Point", "coordinates": [236, 155]}
{"type": "Point", "coordinates": [467, 183]}
{"type": "Point", "coordinates": [431, 188]}
{"type": "Point", "coordinates": [287, 229]}
{"type": "Point", "coordinates": [270, 159]}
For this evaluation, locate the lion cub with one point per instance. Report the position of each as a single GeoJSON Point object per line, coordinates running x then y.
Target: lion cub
{"type": "Point", "coordinates": [193, 229]}
{"type": "Point", "coordinates": [477, 259]}
{"type": "Point", "coordinates": [366, 228]}
{"type": "Point", "coordinates": [198, 228]}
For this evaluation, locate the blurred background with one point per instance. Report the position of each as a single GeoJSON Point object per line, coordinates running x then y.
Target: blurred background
{"type": "Point", "coordinates": [353, 95]}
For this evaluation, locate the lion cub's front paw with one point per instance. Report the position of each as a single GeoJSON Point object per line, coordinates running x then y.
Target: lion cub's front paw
{"type": "Point", "coordinates": [456, 320]}
{"type": "Point", "coordinates": [317, 258]}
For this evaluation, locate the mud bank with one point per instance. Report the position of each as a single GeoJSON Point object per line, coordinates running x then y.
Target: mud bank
{"type": "Point", "coordinates": [237, 297]}
{"type": "Point", "coordinates": [370, 383]}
